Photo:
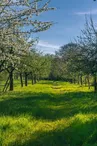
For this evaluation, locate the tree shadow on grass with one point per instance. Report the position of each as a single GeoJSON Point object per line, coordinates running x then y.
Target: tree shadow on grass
{"type": "Point", "coordinates": [48, 106]}
{"type": "Point", "coordinates": [77, 134]}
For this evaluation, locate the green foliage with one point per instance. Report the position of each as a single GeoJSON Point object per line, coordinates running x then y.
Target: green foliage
{"type": "Point", "coordinates": [49, 113]}
{"type": "Point", "coordinates": [67, 62]}
{"type": "Point", "coordinates": [73, 61]}
{"type": "Point", "coordinates": [16, 26]}
{"type": "Point", "coordinates": [15, 16]}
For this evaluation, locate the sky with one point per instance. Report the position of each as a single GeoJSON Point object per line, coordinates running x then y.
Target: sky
{"type": "Point", "coordinates": [69, 20]}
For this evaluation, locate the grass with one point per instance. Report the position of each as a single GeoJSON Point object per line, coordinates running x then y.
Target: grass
{"type": "Point", "coordinates": [49, 114]}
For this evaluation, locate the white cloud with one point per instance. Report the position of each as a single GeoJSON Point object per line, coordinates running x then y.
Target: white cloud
{"type": "Point", "coordinates": [46, 47]}
{"type": "Point", "coordinates": [92, 12]}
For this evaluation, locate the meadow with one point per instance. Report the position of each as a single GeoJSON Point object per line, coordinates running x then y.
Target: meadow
{"type": "Point", "coordinates": [49, 114]}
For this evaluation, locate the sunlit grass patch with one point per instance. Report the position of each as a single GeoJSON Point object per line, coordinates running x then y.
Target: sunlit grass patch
{"type": "Point", "coordinates": [49, 114]}
{"type": "Point", "coordinates": [18, 130]}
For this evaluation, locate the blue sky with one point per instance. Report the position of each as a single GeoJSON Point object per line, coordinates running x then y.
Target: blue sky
{"type": "Point", "coordinates": [69, 19]}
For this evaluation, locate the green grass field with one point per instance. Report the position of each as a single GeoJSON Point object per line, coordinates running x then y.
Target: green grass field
{"type": "Point", "coordinates": [49, 114]}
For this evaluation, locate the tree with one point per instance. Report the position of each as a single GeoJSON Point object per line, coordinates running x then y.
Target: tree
{"type": "Point", "coordinates": [15, 16]}
{"type": "Point", "coordinates": [66, 58]}
{"type": "Point", "coordinates": [88, 43]}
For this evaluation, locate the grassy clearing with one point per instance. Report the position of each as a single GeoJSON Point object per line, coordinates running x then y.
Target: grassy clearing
{"type": "Point", "coordinates": [49, 114]}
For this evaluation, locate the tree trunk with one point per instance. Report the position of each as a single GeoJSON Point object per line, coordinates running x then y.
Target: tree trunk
{"type": "Point", "coordinates": [6, 85]}
{"type": "Point", "coordinates": [16, 76]}
{"type": "Point", "coordinates": [81, 80]}
{"type": "Point", "coordinates": [32, 79]}
{"type": "Point", "coordinates": [21, 79]}
{"type": "Point", "coordinates": [11, 80]}
{"type": "Point", "coordinates": [38, 78]}
{"type": "Point", "coordinates": [85, 81]}
{"type": "Point", "coordinates": [74, 81]}
{"type": "Point", "coordinates": [78, 80]}
{"type": "Point", "coordinates": [95, 83]}
{"type": "Point", "coordinates": [88, 79]}
{"type": "Point", "coordinates": [35, 80]}
{"type": "Point", "coordinates": [26, 79]}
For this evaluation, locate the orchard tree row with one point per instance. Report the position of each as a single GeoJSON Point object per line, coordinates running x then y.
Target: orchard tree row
{"type": "Point", "coordinates": [77, 62]}
{"type": "Point", "coordinates": [18, 20]}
